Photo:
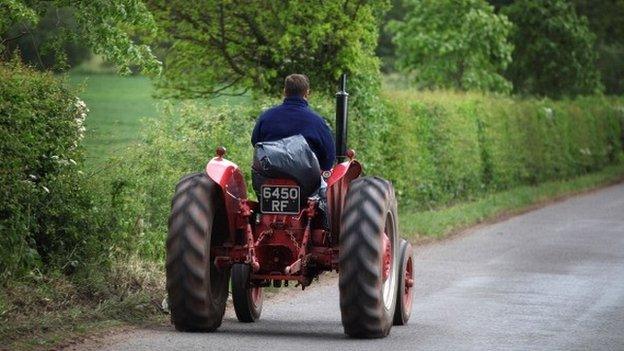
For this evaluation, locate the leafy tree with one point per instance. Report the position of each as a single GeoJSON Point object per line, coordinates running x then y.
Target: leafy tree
{"type": "Point", "coordinates": [606, 20]}
{"type": "Point", "coordinates": [106, 26]}
{"type": "Point", "coordinates": [458, 44]}
{"type": "Point", "coordinates": [385, 47]}
{"type": "Point", "coordinates": [554, 53]}
{"type": "Point", "coordinates": [498, 4]}
{"type": "Point", "coordinates": [229, 47]}
{"type": "Point", "coordinates": [52, 44]}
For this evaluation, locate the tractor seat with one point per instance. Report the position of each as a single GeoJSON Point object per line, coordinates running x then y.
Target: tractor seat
{"type": "Point", "coordinates": [288, 158]}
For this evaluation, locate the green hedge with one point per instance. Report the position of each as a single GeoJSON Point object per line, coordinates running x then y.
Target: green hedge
{"type": "Point", "coordinates": [46, 211]}
{"type": "Point", "coordinates": [448, 147]}
{"type": "Point", "coordinates": [136, 186]}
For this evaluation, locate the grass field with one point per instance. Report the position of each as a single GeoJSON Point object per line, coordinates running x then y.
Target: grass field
{"type": "Point", "coordinates": [117, 105]}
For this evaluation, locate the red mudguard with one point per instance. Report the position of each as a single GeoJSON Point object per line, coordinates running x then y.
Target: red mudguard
{"type": "Point", "coordinates": [230, 179]}
{"type": "Point", "coordinates": [337, 186]}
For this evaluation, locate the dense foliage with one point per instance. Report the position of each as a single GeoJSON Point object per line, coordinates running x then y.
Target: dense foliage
{"type": "Point", "coordinates": [454, 44]}
{"type": "Point", "coordinates": [554, 49]}
{"type": "Point", "coordinates": [51, 43]}
{"type": "Point", "coordinates": [230, 47]}
{"type": "Point", "coordinates": [386, 50]}
{"type": "Point", "coordinates": [139, 184]}
{"type": "Point", "coordinates": [449, 147]}
{"type": "Point", "coordinates": [606, 21]}
{"type": "Point", "coordinates": [45, 213]}
{"type": "Point", "coordinates": [108, 27]}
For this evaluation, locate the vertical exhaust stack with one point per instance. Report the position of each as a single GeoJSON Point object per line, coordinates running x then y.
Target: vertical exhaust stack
{"type": "Point", "coordinates": [342, 111]}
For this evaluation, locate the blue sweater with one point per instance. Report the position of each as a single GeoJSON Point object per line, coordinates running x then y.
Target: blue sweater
{"type": "Point", "coordinates": [294, 117]}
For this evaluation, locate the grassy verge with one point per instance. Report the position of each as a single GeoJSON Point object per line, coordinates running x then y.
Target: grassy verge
{"type": "Point", "coordinates": [439, 223]}
{"type": "Point", "coordinates": [44, 311]}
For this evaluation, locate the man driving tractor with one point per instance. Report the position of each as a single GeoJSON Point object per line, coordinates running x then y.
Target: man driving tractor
{"type": "Point", "coordinates": [304, 222]}
{"type": "Point", "coordinates": [294, 117]}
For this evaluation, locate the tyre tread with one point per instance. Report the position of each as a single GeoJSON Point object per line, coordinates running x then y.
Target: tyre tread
{"type": "Point", "coordinates": [187, 263]}
{"type": "Point", "coordinates": [363, 218]}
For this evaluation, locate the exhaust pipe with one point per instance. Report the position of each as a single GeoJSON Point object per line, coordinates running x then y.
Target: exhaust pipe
{"type": "Point", "coordinates": [342, 111]}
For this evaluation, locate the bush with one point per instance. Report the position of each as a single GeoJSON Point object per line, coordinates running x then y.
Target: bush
{"type": "Point", "coordinates": [45, 215]}
{"type": "Point", "coordinates": [137, 186]}
{"type": "Point", "coordinates": [459, 44]}
{"type": "Point", "coordinates": [554, 51]}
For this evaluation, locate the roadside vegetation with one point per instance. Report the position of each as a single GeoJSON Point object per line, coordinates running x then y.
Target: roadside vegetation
{"type": "Point", "coordinates": [83, 217]}
{"type": "Point", "coordinates": [442, 222]}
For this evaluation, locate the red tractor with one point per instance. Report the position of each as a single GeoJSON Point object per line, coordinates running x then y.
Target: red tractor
{"type": "Point", "coordinates": [219, 238]}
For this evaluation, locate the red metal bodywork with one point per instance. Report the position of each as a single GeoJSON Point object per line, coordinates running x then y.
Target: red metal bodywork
{"type": "Point", "coordinates": [279, 247]}
{"type": "Point", "coordinates": [229, 177]}
{"type": "Point", "coordinates": [337, 186]}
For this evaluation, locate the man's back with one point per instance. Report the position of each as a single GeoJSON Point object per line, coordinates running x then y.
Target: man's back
{"type": "Point", "coordinates": [295, 117]}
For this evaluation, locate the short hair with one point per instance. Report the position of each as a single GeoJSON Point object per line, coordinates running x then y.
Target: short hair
{"type": "Point", "coordinates": [296, 84]}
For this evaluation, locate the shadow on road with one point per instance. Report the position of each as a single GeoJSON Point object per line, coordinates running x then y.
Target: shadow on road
{"type": "Point", "coordinates": [298, 329]}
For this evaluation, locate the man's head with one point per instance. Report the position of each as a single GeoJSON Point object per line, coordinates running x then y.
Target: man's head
{"type": "Point", "coordinates": [297, 85]}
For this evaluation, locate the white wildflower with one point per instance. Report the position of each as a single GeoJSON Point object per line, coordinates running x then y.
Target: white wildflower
{"type": "Point", "coordinates": [32, 176]}
{"type": "Point", "coordinates": [55, 157]}
{"type": "Point", "coordinates": [46, 189]}
{"type": "Point", "coordinates": [81, 115]}
{"type": "Point", "coordinates": [585, 151]}
{"type": "Point", "coordinates": [81, 105]}
{"type": "Point", "coordinates": [549, 113]}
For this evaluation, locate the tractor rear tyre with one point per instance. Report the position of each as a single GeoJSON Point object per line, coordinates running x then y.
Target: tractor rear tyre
{"type": "Point", "coordinates": [197, 290]}
{"type": "Point", "coordinates": [406, 281]}
{"type": "Point", "coordinates": [368, 258]}
{"type": "Point", "coordinates": [247, 298]}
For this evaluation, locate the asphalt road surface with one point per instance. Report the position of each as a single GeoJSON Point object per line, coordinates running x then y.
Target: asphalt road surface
{"type": "Point", "coordinates": [551, 279]}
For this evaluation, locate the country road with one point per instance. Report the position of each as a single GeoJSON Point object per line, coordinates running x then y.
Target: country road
{"type": "Point", "coordinates": [551, 279]}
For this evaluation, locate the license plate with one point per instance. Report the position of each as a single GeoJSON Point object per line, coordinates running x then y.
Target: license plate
{"type": "Point", "coordinates": [282, 199]}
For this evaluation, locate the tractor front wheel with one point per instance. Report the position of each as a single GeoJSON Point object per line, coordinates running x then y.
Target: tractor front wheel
{"type": "Point", "coordinates": [247, 298]}
{"type": "Point", "coordinates": [368, 258]}
{"type": "Point", "coordinates": [197, 289]}
{"type": "Point", "coordinates": [406, 282]}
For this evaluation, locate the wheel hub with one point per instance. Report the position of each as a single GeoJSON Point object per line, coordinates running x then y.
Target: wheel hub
{"type": "Point", "coordinates": [387, 257]}
{"type": "Point", "coordinates": [409, 283]}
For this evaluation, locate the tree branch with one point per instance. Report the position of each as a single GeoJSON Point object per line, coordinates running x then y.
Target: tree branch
{"type": "Point", "coordinates": [5, 41]}
{"type": "Point", "coordinates": [253, 27]}
{"type": "Point", "coordinates": [226, 54]}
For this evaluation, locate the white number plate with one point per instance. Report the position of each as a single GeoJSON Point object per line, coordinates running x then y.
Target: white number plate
{"type": "Point", "coordinates": [279, 199]}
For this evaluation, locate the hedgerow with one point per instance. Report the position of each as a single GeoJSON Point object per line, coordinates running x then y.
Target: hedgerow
{"type": "Point", "coordinates": [448, 147]}
{"type": "Point", "coordinates": [46, 216]}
